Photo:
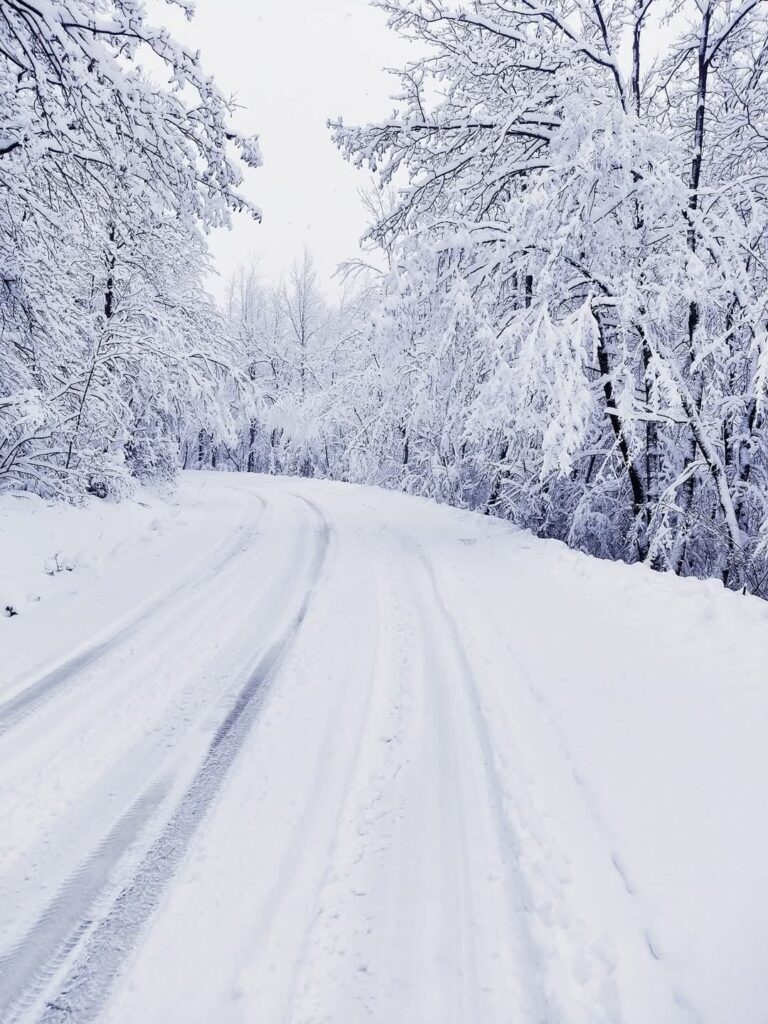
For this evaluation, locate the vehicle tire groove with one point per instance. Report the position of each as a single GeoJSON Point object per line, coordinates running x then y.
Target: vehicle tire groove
{"type": "Point", "coordinates": [105, 945]}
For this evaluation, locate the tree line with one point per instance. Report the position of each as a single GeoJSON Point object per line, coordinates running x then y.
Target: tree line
{"type": "Point", "coordinates": [571, 328]}
{"type": "Point", "coordinates": [563, 321]}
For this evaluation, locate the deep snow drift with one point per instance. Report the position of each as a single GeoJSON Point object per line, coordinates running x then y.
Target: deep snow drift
{"type": "Point", "coordinates": [282, 750]}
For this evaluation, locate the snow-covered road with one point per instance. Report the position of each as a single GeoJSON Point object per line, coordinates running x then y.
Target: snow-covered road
{"type": "Point", "coordinates": [370, 759]}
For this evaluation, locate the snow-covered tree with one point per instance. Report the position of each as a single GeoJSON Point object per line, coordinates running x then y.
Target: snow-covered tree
{"type": "Point", "coordinates": [584, 199]}
{"type": "Point", "coordinates": [115, 148]}
{"type": "Point", "coordinates": [303, 355]}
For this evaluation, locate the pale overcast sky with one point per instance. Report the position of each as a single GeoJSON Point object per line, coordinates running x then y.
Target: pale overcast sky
{"type": "Point", "coordinates": [293, 64]}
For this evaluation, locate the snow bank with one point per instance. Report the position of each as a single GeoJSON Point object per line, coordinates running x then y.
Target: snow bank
{"type": "Point", "coordinates": [69, 574]}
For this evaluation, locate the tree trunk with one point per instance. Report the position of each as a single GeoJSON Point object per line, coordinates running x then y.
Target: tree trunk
{"type": "Point", "coordinates": [252, 442]}
{"type": "Point", "coordinates": [635, 481]}
{"type": "Point", "coordinates": [697, 389]}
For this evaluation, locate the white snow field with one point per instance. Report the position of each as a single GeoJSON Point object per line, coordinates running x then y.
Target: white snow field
{"type": "Point", "coordinates": [279, 751]}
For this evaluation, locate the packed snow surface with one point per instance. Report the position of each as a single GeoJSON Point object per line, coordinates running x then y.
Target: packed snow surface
{"type": "Point", "coordinates": [288, 751]}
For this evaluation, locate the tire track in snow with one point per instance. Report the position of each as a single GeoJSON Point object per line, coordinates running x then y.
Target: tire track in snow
{"type": "Point", "coordinates": [18, 707]}
{"type": "Point", "coordinates": [28, 968]}
{"type": "Point", "coordinates": [468, 721]}
{"type": "Point", "coordinates": [242, 902]}
{"type": "Point", "coordinates": [408, 888]}
{"type": "Point", "coordinates": [591, 963]}
{"type": "Point", "coordinates": [79, 762]}
{"type": "Point", "coordinates": [560, 951]}
{"type": "Point", "coordinates": [361, 775]}
{"type": "Point", "coordinates": [27, 971]}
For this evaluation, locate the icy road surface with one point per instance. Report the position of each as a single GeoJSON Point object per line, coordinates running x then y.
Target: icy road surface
{"type": "Point", "coordinates": [353, 757]}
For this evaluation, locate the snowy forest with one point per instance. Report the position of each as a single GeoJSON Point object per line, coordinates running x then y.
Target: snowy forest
{"type": "Point", "coordinates": [561, 319]}
{"type": "Point", "coordinates": [383, 511]}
